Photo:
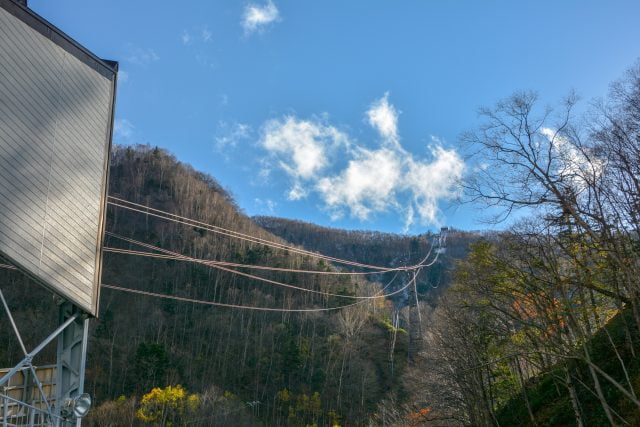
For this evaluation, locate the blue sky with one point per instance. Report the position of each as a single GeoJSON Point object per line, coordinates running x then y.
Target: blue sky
{"type": "Point", "coordinates": [342, 113]}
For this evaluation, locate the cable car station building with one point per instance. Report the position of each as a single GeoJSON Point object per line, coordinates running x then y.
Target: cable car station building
{"type": "Point", "coordinates": [56, 122]}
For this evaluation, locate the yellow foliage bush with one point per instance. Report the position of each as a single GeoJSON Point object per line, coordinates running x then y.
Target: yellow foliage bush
{"type": "Point", "coordinates": [166, 406]}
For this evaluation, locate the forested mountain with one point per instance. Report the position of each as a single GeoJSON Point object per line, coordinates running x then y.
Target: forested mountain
{"type": "Point", "coordinates": [536, 325]}
{"type": "Point", "coordinates": [362, 245]}
{"type": "Point", "coordinates": [244, 367]}
{"type": "Point", "coordinates": [379, 248]}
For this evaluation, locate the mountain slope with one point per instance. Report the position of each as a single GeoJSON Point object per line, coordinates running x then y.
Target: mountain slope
{"type": "Point", "coordinates": [296, 368]}
{"type": "Point", "coordinates": [376, 247]}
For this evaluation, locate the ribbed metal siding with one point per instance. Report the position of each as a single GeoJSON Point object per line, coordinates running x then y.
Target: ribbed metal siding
{"type": "Point", "coordinates": [54, 128]}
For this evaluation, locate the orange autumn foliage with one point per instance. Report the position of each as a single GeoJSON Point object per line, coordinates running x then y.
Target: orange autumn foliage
{"type": "Point", "coordinates": [417, 418]}
{"type": "Point", "coordinates": [527, 310]}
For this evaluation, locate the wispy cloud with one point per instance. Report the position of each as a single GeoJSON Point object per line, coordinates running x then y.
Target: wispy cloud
{"type": "Point", "coordinates": [123, 130]}
{"type": "Point", "coordinates": [258, 17]}
{"type": "Point", "coordinates": [185, 37]}
{"type": "Point", "coordinates": [575, 164]}
{"type": "Point", "coordinates": [224, 100]}
{"type": "Point", "coordinates": [201, 34]}
{"type": "Point", "coordinates": [356, 180]}
{"type": "Point", "coordinates": [123, 76]}
{"type": "Point", "coordinates": [197, 41]}
{"type": "Point", "coordinates": [229, 135]}
{"type": "Point", "coordinates": [266, 206]}
{"type": "Point", "coordinates": [140, 56]}
{"type": "Point", "coordinates": [206, 35]}
{"type": "Point", "coordinates": [383, 117]}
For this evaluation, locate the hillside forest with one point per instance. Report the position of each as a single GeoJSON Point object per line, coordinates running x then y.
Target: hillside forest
{"type": "Point", "coordinates": [242, 367]}
{"type": "Point", "coordinates": [535, 324]}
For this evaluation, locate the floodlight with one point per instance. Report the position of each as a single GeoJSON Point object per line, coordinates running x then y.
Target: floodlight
{"type": "Point", "coordinates": [78, 406]}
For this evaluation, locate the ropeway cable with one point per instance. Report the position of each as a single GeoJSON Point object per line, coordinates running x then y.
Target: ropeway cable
{"type": "Point", "coordinates": [218, 304]}
{"type": "Point", "coordinates": [229, 270]}
{"type": "Point", "coordinates": [241, 236]}
{"type": "Point", "coordinates": [249, 307]}
{"type": "Point", "coordinates": [250, 266]}
{"type": "Point", "coordinates": [222, 230]}
{"type": "Point", "coordinates": [167, 254]}
{"type": "Point", "coordinates": [221, 304]}
{"type": "Point", "coordinates": [246, 307]}
{"type": "Point", "coordinates": [230, 233]}
{"type": "Point", "coordinates": [261, 267]}
{"type": "Point", "coordinates": [177, 256]}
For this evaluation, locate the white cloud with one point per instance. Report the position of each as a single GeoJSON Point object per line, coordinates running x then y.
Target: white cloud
{"type": "Point", "coordinates": [430, 182]}
{"type": "Point", "coordinates": [123, 76]}
{"type": "Point", "coordinates": [195, 40]}
{"type": "Point", "coordinates": [264, 173]}
{"type": "Point", "coordinates": [302, 147]}
{"type": "Point", "coordinates": [267, 206]}
{"type": "Point", "coordinates": [139, 56]}
{"type": "Point", "coordinates": [206, 35]}
{"type": "Point", "coordinates": [204, 59]}
{"type": "Point", "coordinates": [297, 192]}
{"type": "Point", "coordinates": [574, 166]}
{"type": "Point", "coordinates": [257, 17]}
{"type": "Point", "coordinates": [359, 181]}
{"type": "Point", "coordinates": [548, 133]}
{"type": "Point", "coordinates": [366, 185]}
{"type": "Point", "coordinates": [384, 118]}
{"type": "Point", "coordinates": [196, 35]}
{"type": "Point", "coordinates": [123, 129]}
{"type": "Point", "coordinates": [229, 135]}
{"type": "Point", "coordinates": [224, 100]}
{"type": "Point", "coordinates": [378, 180]}
{"type": "Point", "coordinates": [409, 219]}
{"type": "Point", "coordinates": [185, 37]}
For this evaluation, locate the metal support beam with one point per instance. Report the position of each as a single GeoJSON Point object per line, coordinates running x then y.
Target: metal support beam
{"type": "Point", "coordinates": [71, 356]}
{"type": "Point", "coordinates": [72, 334]}
{"type": "Point", "coordinates": [85, 343]}
{"type": "Point", "coordinates": [28, 356]}
{"type": "Point", "coordinates": [27, 360]}
{"type": "Point", "coordinates": [25, 353]}
{"type": "Point", "coordinates": [13, 323]}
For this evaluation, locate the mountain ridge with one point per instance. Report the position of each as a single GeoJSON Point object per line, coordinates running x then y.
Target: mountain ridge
{"type": "Point", "coordinates": [303, 368]}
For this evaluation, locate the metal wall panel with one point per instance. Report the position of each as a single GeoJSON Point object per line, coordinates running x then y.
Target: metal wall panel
{"type": "Point", "coordinates": [55, 130]}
